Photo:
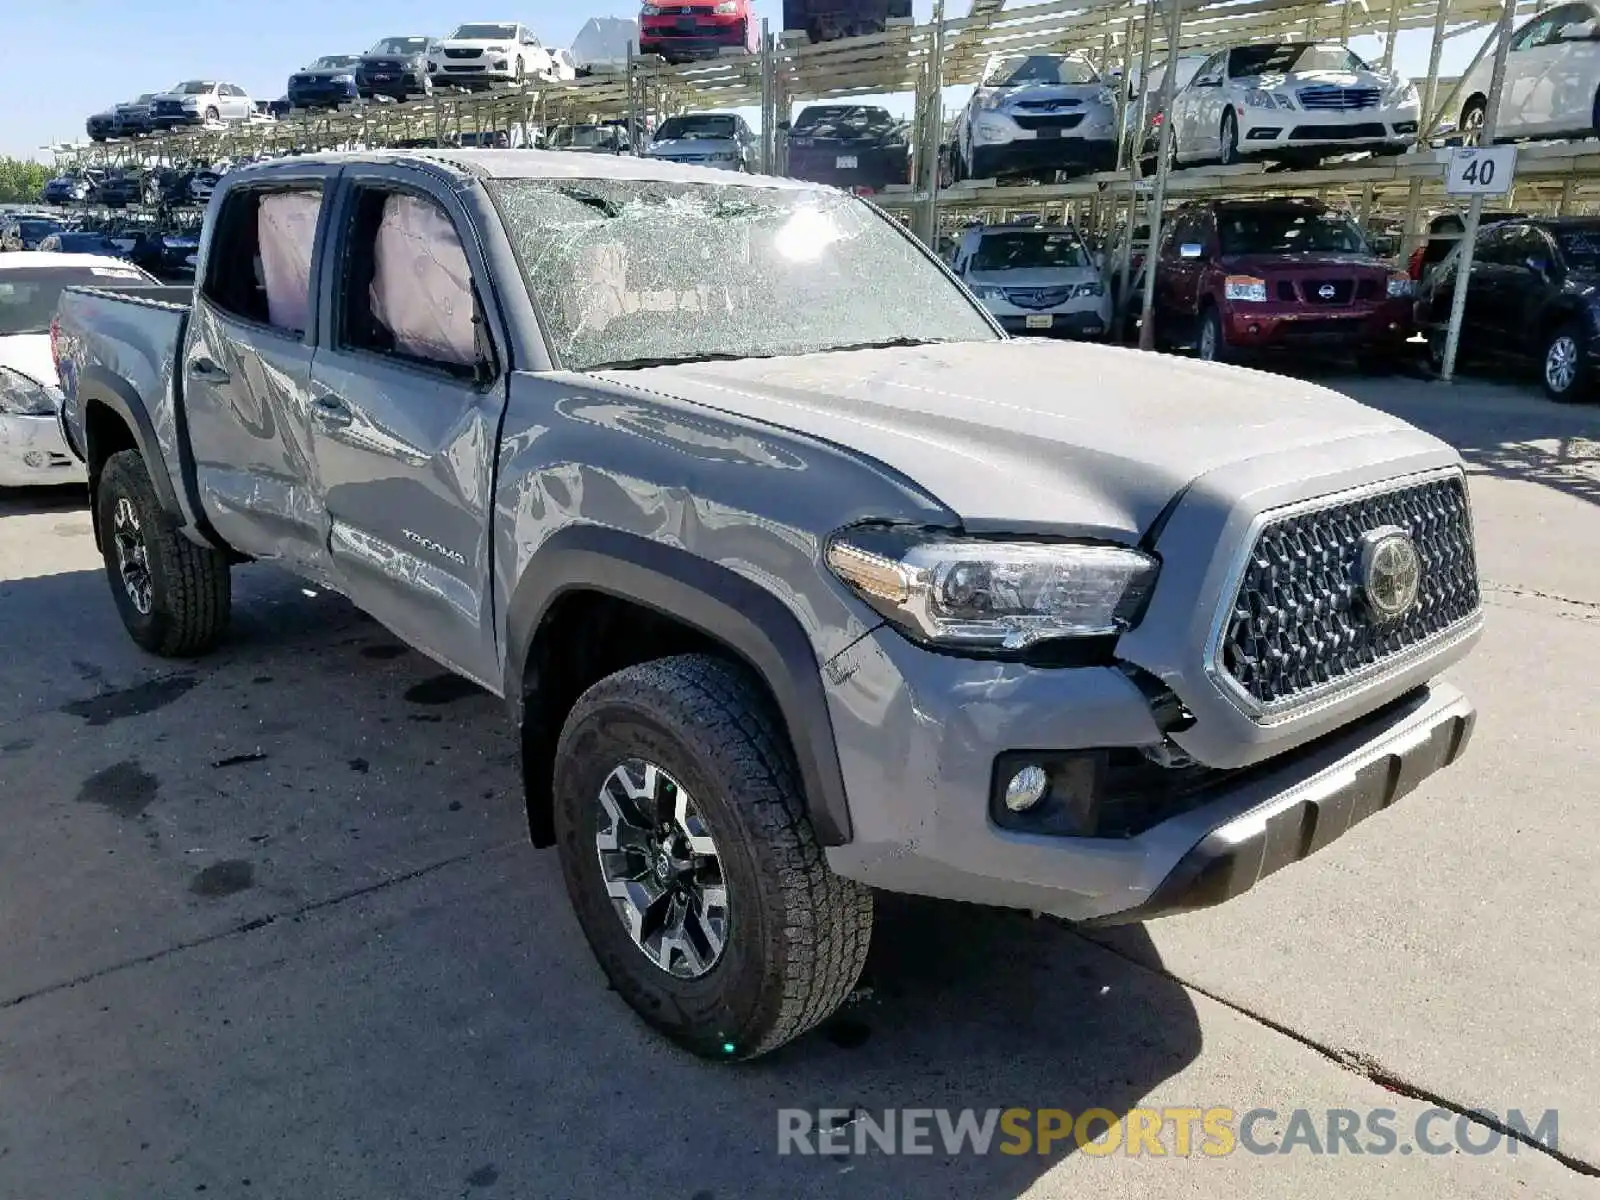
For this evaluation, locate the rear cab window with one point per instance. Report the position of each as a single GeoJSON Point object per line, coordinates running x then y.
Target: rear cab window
{"type": "Point", "coordinates": [259, 267]}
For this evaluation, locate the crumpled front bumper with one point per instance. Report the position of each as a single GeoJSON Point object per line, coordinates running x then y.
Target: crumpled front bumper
{"type": "Point", "coordinates": [919, 735]}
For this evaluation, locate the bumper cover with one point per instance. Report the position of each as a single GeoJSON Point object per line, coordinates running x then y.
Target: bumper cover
{"type": "Point", "coordinates": [1083, 323]}
{"type": "Point", "coordinates": [1384, 325]}
{"type": "Point", "coordinates": [1044, 154]}
{"type": "Point", "coordinates": [34, 453]}
{"type": "Point", "coordinates": [1240, 853]}
{"type": "Point", "coordinates": [918, 735]}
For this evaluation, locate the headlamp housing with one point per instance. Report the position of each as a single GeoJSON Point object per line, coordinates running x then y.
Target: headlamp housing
{"type": "Point", "coordinates": [992, 595]}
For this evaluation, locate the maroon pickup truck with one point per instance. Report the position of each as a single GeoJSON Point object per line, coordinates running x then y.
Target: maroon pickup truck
{"type": "Point", "coordinates": [1236, 277]}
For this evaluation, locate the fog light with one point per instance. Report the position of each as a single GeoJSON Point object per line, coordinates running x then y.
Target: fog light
{"type": "Point", "coordinates": [34, 459]}
{"type": "Point", "coordinates": [1027, 788]}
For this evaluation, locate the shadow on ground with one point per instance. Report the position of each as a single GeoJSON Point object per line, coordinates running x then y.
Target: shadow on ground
{"type": "Point", "coordinates": [301, 941]}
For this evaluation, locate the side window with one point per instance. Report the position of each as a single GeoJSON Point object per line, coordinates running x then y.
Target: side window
{"type": "Point", "coordinates": [408, 286]}
{"type": "Point", "coordinates": [1535, 32]}
{"type": "Point", "coordinates": [1211, 68]}
{"type": "Point", "coordinates": [1567, 14]}
{"type": "Point", "coordinates": [259, 268]}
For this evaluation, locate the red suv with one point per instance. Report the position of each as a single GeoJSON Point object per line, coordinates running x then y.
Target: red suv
{"type": "Point", "coordinates": [696, 29]}
{"type": "Point", "coordinates": [1239, 276]}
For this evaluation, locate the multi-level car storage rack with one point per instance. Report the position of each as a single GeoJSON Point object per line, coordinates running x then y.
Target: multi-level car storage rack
{"type": "Point", "coordinates": [1122, 36]}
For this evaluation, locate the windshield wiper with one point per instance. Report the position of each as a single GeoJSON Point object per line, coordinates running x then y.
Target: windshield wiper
{"type": "Point", "coordinates": [670, 360]}
{"type": "Point", "coordinates": [885, 344]}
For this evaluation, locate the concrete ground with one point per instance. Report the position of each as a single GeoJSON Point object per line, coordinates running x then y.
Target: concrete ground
{"type": "Point", "coordinates": [269, 926]}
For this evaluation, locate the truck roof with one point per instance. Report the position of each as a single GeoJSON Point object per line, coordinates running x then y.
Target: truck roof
{"type": "Point", "coordinates": [60, 258]}
{"type": "Point", "coordinates": [530, 164]}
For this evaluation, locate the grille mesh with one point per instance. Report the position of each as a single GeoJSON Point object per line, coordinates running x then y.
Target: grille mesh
{"type": "Point", "coordinates": [1299, 622]}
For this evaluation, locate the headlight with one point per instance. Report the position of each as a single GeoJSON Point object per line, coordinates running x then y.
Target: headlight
{"type": "Point", "coordinates": [1400, 285]}
{"type": "Point", "coordinates": [191, 102]}
{"type": "Point", "coordinates": [1091, 289]}
{"type": "Point", "coordinates": [650, 10]}
{"type": "Point", "coordinates": [988, 293]}
{"type": "Point", "coordinates": [1244, 287]}
{"type": "Point", "coordinates": [727, 6]}
{"type": "Point", "coordinates": [992, 595]}
{"type": "Point", "coordinates": [1283, 100]}
{"type": "Point", "coordinates": [1258, 98]}
{"type": "Point", "coordinates": [1405, 94]}
{"type": "Point", "coordinates": [22, 397]}
{"type": "Point", "coordinates": [344, 78]}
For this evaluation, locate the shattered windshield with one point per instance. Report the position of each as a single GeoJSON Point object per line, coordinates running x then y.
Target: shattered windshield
{"type": "Point", "coordinates": [628, 272]}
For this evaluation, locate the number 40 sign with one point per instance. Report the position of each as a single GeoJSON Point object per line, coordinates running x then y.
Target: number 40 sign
{"type": "Point", "coordinates": [1480, 172]}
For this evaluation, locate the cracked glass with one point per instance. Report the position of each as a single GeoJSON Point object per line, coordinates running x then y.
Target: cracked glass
{"type": "Point", "coordinates": [637, 273]}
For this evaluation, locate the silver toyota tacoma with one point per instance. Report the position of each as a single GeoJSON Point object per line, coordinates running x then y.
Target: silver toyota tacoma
{"type": "Point", "coordinates": [798, 577]}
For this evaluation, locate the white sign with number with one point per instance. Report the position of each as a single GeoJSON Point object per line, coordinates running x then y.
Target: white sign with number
{"type": "Point", "coordinates": [1472, 171]}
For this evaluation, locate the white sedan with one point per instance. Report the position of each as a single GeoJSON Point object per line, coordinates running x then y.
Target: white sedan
{"type": "Point", "coordinates": [32, 450]}
{"type": "Point", "coordinates": [1291, 101]}
{"type": "Point", "coordinates": [1552, 83]}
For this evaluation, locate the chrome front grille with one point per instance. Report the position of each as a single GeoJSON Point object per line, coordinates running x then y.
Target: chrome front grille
{"type": "Point", "coordinates": [1300, 626]}
{"type": "Point", "coordinates": [1331, 98]}
{"type": "Point", "coordinates": [1040, 297]}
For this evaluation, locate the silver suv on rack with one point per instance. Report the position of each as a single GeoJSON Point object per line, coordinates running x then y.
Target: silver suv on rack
{"type": "Point", "coordinates": [1036, 115]}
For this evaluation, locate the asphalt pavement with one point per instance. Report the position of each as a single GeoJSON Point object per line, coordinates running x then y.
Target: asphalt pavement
{"type": "Point", "coordinates": [270, 927]}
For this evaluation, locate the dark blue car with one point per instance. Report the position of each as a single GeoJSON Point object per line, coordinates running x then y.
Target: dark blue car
{"type": "Point", "coordinates": [327, 83]}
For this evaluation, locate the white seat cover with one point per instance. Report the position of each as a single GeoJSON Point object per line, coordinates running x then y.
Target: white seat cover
{"type": "Point", "coordinates": [286, 231]}
{"type": "Point", "coordinates": [421, 284]}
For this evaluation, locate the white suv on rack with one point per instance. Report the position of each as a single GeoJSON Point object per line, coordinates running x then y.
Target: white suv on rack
{"type": "Point", "coordinates": [490, 52]}
{"type": "Point", "coordinates": [1290, 101]}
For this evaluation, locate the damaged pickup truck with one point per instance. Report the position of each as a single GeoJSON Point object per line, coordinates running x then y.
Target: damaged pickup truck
{"type": "Point", "coordinates": [798, 577]}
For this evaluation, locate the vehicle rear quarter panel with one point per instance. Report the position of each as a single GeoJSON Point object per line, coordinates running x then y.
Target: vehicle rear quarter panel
{"type": "Point", "coordinates": [119, 349]}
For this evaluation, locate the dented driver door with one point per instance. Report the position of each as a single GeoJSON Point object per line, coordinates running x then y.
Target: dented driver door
{"type": "Point", "coordinates": [405, 407]}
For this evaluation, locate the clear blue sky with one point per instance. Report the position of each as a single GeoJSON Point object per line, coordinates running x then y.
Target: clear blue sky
{"type": "Point", "coordinates": [68, 58]}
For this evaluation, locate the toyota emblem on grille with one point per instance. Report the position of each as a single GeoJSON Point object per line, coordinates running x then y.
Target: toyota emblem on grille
{"type": "Point", "coordinates": [1326, 291]}
{"type": "Point", "coordinates": [1391, 572]}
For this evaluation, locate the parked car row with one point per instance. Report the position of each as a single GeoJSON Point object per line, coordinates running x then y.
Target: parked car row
{"type": "Point", "coordinates": [179, 186]}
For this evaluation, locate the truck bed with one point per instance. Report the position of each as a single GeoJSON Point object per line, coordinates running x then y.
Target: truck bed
{"type": "Point", "coordinates": [117, 347]}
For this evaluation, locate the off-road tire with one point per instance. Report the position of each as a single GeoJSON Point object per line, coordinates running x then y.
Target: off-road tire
{"type": "Point", "coordinates": [797, 934]}
{"type": "Point", "coordinates": [191, 585]}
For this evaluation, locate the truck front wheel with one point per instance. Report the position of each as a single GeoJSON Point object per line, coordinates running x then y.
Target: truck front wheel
{"type": "Point", "coordinates": [172, 595]}
{"type": "Point", "coordinates": [692, 866]}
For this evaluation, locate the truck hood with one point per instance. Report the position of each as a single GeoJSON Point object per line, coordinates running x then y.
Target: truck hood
{"type": "Point", "coordinates": [29, 354]}
{"type": "Point", "coordinates": [1029, 437]}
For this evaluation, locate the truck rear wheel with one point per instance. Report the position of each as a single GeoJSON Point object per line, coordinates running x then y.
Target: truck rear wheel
{"type": "Point", "coordinates": [692, 866]}
{"type": "Point", "coordinates": [172, 595]}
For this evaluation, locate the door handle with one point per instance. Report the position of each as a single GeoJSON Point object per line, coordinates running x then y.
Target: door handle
{"type": "Point", "coordinates": [331, 411]}
{"type": "Point", "coordinates": [206, 369]}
